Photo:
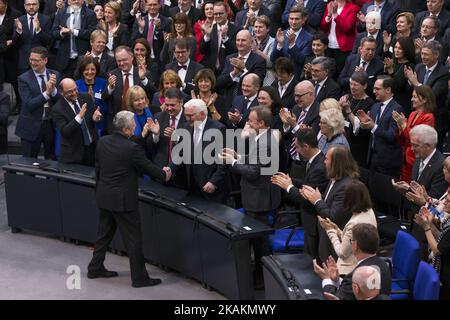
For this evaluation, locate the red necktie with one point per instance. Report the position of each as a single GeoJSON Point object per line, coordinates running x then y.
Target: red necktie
{"type": "Point", "coordinates": [172, 125]}
{"type": "Point", "coordinates": [151, 28]}
{"type": "Point", "coordinates": [126, 85]}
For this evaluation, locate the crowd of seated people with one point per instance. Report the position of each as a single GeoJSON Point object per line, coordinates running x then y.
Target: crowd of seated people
{"type": "Point", "coordinates": [348, 85]}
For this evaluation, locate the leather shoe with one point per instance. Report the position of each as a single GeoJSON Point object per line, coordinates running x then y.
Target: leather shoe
{"type": "Point", "coordinates": [148, 283]}
{"type": "Point", "coordinates": [102, 274]}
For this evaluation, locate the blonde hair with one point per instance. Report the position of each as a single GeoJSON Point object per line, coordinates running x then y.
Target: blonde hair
{"type": "Point", "coordinates": [334, 119]}
{"type": "Point", "coordinates": [133, 93]}
{"type": "Point", "coordinates": [114, 6]}
{"type": "Point", "coordinates": [330, 103]}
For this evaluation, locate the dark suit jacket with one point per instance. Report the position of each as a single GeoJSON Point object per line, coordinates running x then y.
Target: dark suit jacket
{"type": "Point", "coordinates": [258, 193]}
{"type": "Point", "coordinates": [288, 98]}
{"type": "Point", "coordinates": [225, 85]}
{"type": "Point", "coordinates": [241, 18]}
{"type": "Point", "coordinates": [297, 53]}
{"type": "Point", "coordinates": [7, 27]}
{"type": "Point", "coordinates": [25, 41]}
{"type": "Point", "coordinates": [316, 9]}
{"type": "Point", "coordinates": [386, 153]}
{"type": "Point", "coordinates": [312, 120]}
{"type": "Point", "coordinates": [345, 292]}
{"type": "Point", "coordinates": [30, 118]}
{"type": "Point", "coordinates": [72, 143]}
{"type": "Point", "coordinates": [118, 163]}
{"type": "Point", "coordinates": [3, 49]}
{"type": "Point", "coordinates": [388, 14]}
{"type": "Point", "coordinates": [438, 81]}
{"type": "Point", "coordinates": [332, 208]}
{"type": "Point", "coordinates": [194, 13]}
{"type": "Point", "coordinates": [209, 49]}
{"type": "Point", "coordinates": [379, 39]}
{"type": "Point", "coordinates": [115, 98]}
{"type": "Point", "coordinates": [160, 150]}
{"type": "Point", "coordinates": [158, 36]}
{"type": "Point", "coordinates": [107, 64]}
{"type": "Point", "coordinates": [373, 70]}
{"type": "Point", "coordinates": [121, 37]}
{"type": "Point", "coordinates": [238, 104]}
{"type": "Point", "coordinates": [5, 106]}
{"type": "Point", "coordinates": [88, 23]}
{"type": "Point", "coordinates": [191, 71]}
{"type": "Point", "coordinates": [330, 89]}
{"type": "Point", "coordinates": [444, 21]}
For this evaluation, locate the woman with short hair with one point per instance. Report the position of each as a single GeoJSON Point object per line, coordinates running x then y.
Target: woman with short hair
{"type": "Point", "coordinates": [117, 33]}
{"type": "Point", "coordinates": [332, 128]}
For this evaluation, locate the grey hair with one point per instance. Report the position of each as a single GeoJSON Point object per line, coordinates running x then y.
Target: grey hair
{"type": "Point", "coordinates": [367, 278]}
{"type": "Point", "coordinates": [334, 119]}
{"type": "Point", "coordinates": [198, 105]}
{"type": "Point", "coordinates": [434, 46]}
{"type": "Point", "coordinates": [426, 134]}
{"type": "Point", "coordinates": [325, 62]}
{"type": "Point", "coordinates": [123, 120]}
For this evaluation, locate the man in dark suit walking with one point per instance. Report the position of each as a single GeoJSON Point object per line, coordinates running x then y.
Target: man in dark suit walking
{"type": "Point", "coordinates": [31, 30]}
{"type": "Point", "coordinates": [38, 92]}
{"type": "Point", "coordinates": [259, 195]}
{"type": "Point", "coordinates": [121, 79]}
{"type": "Point", "coordinates": [365, 244]}
{"type": "Point", "coordinates": [316, 177]}
{"type": "Point", "coordinates": [118, 163]}
{"type": "Point", "coordinates": [73, 27]}
{"type": "Point", "coordinates": [74, 116]}
{"type": "Point", "coordinates": [183, 65]}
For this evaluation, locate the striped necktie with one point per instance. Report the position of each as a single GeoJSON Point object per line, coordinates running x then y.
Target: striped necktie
{"type": "Point", "coordinates": [292, 148]}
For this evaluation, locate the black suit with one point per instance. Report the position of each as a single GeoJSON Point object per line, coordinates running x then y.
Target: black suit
{"type": "Point", "coordinates": [329, 89]}
{"type": "Point", "coordinates": [2, 54]}
{"type": "Point", "coordinates": [228, 87]}
{"type": "Point", "coordinates": [194, 13]}
{"type": "Point", "coordinates": [191, 71]}
{"type": "Point", "coordinates": [118, 163]}
{"type": "Point", "coordinates": [333, 208]}
{"type": "Point", "coordinates": [413, 6]}
{"type": "Point", "coordinates": [315, 177]}
{"type": "Point", "coordinates": [288, 98]}
{"type": "Point", "coordinates": [73, 148]}
{"type": "Point", "coordinates": [5, 106]}
{"type": "Point", "coordinates": [438, 81]}
{"type": "Point", "coordinates": [121, 36]}
{"type": "Point", "coordinates": [432, 178]}
{"type": "Point", "coordinates": [345, 292]}
{"type": "Point", "coordinates": [210, 49]}
{"type": "Point", "coordinates": [444, 21]}
{"type": "Point", "coordinates": [115, 98]}
{"type": "Point", "coordinates": [373, 70]}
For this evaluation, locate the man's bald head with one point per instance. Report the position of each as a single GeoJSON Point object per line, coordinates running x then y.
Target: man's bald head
{"type": "Point", "coordinates": [244, 42]}
{"type": "Point", "coordinates": [68, 89]}
{"type": "Point", "coordinates": [366, 282]}
{"type": "Point", "coordinates": [304, 94]}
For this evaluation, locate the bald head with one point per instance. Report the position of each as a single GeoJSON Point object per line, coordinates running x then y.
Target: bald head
{"type": "Point", "coordinates": [244, 42]}
{"type": "Point", "coordinates": [304, 94]}
{"type": "Point", "coordinates": [68, 89]}
{"type": "Point", "coordinates": [366, 282]}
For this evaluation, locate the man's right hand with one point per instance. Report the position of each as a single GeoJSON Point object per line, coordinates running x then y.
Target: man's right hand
{"type": "Point", "coordinates": [153, 126]}
{"type": "Point", "coordinates": [112, 79]}
{"type": "Point", "coordinates": [168, 173]}
{"type": "Point", "coordinates": [168, 132]}
{"type": "Point", "coordinates": [18, 25]}
{"type": "Point", "coordinates": [51, 84]}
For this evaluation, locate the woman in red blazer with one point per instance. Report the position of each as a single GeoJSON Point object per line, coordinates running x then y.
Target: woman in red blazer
{"type": "Point", "coordinates": [208, 10]}
{"type": "Point", "coordinates": [338, 22]}
{"type": "Point", "coordinates": [423, 104]}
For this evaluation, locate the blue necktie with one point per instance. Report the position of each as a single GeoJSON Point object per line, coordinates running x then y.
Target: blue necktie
{"type": "Point", "coordinates": [427, 75]}
{"type": "Point", "coordinates": [31, 26]}
{"type": "Point", "coordinates": [84, 129]}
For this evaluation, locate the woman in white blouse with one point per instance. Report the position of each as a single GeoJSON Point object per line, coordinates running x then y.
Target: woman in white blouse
{"type": "Point", "coordinates": [263, 46]}
{"type": "Point", "coordinates": [357, 200]}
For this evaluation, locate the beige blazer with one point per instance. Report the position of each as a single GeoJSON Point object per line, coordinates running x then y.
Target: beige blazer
{"type": "Point", "coordinates": [341, 240]}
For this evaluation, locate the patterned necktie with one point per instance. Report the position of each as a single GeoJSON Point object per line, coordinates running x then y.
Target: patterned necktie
{"type": "Point", "coordinates": [316, 88]}
{"type": "Point", "coordinates": [219, 45]}
{"type": "Point", "coordinates": [172, 125]}
{"type": "Point", "coordinates": [363, 64]}
{"type": "Point", "coordinates": [427, 75]}
{"type": "Point", "coordinates": [126, 85]}
{"type": "Point", "coordinates": [151, 28]}
{"type": "Point", "coordinates": [293, 149]}
{"type": "Point", "coordinates": [47, 110]}
{"type": "Point", "coordinates": [421, 167]}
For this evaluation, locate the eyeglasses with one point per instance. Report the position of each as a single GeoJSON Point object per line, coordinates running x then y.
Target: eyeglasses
{"type": "Point", "coordinates": [301, 95]}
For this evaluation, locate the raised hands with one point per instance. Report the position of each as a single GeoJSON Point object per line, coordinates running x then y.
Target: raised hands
{"type": "Point", "coordinates": [153, 126]}
{"type": "Point", "coordinates": [51, 84]}
{"type": "Point", "coordinates": [18, 25]}
{"type": "Point", "coordinates": [282, 180]}
{"type": "Point", "coordinates": [97, 116]}
{"type": "Point", "coordinates": [366, 122]}
{"type": "Point", "coordinates": [112, 79]}
{"type": "Point", "coordinates": [400, 119]}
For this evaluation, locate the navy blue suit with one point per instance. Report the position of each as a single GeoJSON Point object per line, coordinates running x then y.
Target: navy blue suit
{"type": "Point", "coordinates": [388, 14]}
{"type": "Point", "coordinates": [241, 18]}
{"type": "Point", "coordinates": [297, 53]}
{"type": "Point", "coordinates": [385, 154]}
{"type": "Point", "coordinates": [25, 41]}
{"type": "Point", "coordinates": [29, 123]}
{"type": "Point", "coordinates": [316, 9]}
{"type": "Point", "coordinates": [238, 104]}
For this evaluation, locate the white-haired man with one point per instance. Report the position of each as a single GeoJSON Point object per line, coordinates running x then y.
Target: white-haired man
{"type": "Point", "coordinates": [206, 179]}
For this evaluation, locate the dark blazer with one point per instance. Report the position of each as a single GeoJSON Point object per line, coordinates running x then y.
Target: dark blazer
{"type": "Point", "coordinates": [297, 53]}
{"type": "Point", "coordinates": [332, 208]}
{"type": "Point", "coordinates": [345, 292]}
{"type": "Point", "coordinates": [288, 98]}
{"type": "Point", "coordinates": [238, 104]}
{"type": "Point", "coordinates": [316, 9]}
{"type": "Point", "coordinates": [191, 71]}
{"type": "Point", "coordinates": [379, 40]}
{"type": "Point", "coordinates": [388, 14]}
{"type": "Point", "coordinates": [121, 37]}
{"type": "Point", "coordinates": [258, 193]}
{"type": "Point", "coordinates": [118, 164]}
{"type": "Point", "coordinates": [386, 153]}
{"type": "Point", "coordinates": [30, 118]}
{"type": "Point", "coordinates": [225, 85]}
{"type": "Point", "coordinates": [88, 23]}
{"type": "Point", "coordinates": [72, 143]}
{"type": "Point", "coordinates": [330, 89]}
{"type": "Point", "coordinates": [7, 27]}
{"type": "Point", "coordinates": [373, 70]}
{"type": "Point", "coordinates": [199, 174]}
{"type": "Point", "coordinates": [413, 6]}
{"type": "Point", "coordinates": [438, 81]}
{"type": "Point", "coordinates": [241, 18]}
{"type": "Point", "coordinates": [194, 13]}
{"type": "Point", "coordinates": [160, 150]}
{"type": "Point", "coordinates": [209, 49]}
{"type": "Point", "coordinates": [25, 41]}
{"type": "Point", "coordinates": [5, 106]}
{"type": "Point", "coordinates": [444, 21]}
{"type": "Point", "coordinates": [312, 120]}
{"type": "Point", "coordinates": [3, 49]}
{"type": "Point", "coordinates": [158, 35]}
{"type": "Point", "coordinates": [107, 63]}
{"type": "Point", "coordinates": [114, 99]}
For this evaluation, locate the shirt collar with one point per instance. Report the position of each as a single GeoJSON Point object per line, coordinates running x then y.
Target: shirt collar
{"type": "Point", "coordinates": [186, 64]}
{"type": "Point", "coordinates": [38, 74]}
{"type": "Point", "coordinates": [246, 56]}
{"type": "Point", "coordinates": [427, 159]}
{"type": "Point", "coordinates": [252, 98]}
{"type": "Point", "coordinates": [286, 84]}
{"type": "Point", "coordinates": [385, 103]}
{"type": "Point", "coordinates": [373, 35]}
{"type": "Point", "coordinates": [313, 157]}
{"type": "Point", "coordinates": [34, 17]}
{"type": "Point", "coordinates": [130, 72]}
{"type": "Point", "coordinates": [433, 67]}
{"type": "Point", "coordinates": [322, 82]}
{"type": "Point", "coordinates": [260, 134]}
{"type": "Point", "coordinates": [202, 124]}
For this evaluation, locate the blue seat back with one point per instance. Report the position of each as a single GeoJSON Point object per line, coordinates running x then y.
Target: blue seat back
{"type": "Point", "coordinates": [57, 143]}
{"type": "Point", "coordinates": [426, 285]}
{"type": "Point", "coordinates": [405, 258]}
